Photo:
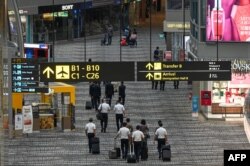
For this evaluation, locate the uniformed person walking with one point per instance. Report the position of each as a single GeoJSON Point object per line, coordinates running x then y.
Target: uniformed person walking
{"type": "Point", "coordinates": [90, 130]}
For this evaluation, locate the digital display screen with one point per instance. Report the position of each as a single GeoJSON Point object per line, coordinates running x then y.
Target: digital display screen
{"type": "Point", "coordinates": [228, 20]}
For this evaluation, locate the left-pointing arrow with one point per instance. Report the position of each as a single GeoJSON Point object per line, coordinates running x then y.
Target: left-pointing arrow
{"type": "Point", "coordinates": [47, 71]}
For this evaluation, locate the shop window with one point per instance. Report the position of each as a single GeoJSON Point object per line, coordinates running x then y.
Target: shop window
{"type": "Point", "coordinates": [203, 35]}
{"type": "Point", "coordinates": [203, 13]}
{"type": "Point", "coordinates": [174, 4]}
{"type": "Point", "coordinates": [194, 12]}
{"type": "Point", "coordinates": [187, 4]}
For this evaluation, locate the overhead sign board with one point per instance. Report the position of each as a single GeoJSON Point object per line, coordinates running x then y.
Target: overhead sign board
{"type": "Point", "coordinates": [89, 71]}
{"type": "Point", "coordinates": [184, 71]}
{"type": "Point", "coordinates": [25, 76]}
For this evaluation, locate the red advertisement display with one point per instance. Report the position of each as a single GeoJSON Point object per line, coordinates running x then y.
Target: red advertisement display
{"type": "Point", "coordinates": [206, 99]}
{"type": "Point", "coordinates": [228, 97]}
{"type": "Point", "coordinates": [228, 20]}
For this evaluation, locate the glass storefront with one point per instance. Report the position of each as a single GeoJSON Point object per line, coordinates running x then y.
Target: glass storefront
{"type": "Point", "coordinates": [13, 26]}
{"type": "Point", "coordinates": [74, 21]}
{"type": "Point", "coordinates": [177, 4]}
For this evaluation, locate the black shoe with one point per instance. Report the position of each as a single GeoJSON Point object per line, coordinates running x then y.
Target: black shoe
{"type": "Point", "coordinates": [102, 130]}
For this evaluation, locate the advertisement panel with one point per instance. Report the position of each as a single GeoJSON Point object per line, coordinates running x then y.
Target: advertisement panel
{"type": "Point", "coordinates": [228, 20]}
{"type": "Point", "coordinates": [27, 119]}
{"type": "Point", "coordinates": [18, 122]}
{"type": "Point", "coordinates": [206, 99]}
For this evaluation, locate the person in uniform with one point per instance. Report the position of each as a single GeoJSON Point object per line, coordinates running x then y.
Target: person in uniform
{"type": "Point", "coordinates": [90, 130]}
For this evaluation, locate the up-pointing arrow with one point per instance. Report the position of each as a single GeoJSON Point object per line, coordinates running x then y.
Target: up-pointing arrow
{"type": "Point", "coordinates": [48, 70]}
{"type": "Point", "coordinates": [149, 66]}
{"type": "Point", "coordinates": [149, 76]}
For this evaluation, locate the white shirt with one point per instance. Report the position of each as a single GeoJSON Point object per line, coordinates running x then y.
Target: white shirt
{"type": "Point", "coordinates": [119, 108]}
{"type": "Point", "coordinates": [124, 133]}
{"type": "Point", "coordinates": [137, 136]}
{"type": "Point", "coordinates": [90, 127]}
{"type": "Point", "coordinates": [161, 133]}
{"type": "Point", "coordinates": [104, 107]}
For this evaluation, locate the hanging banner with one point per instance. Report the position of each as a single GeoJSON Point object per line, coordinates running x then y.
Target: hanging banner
{"type": "Point", "coordinates": [206, 98]}
{"type": "Point", "coordinates": [18, 122]}
{"type": "Point", "coordinates": [27, 119]}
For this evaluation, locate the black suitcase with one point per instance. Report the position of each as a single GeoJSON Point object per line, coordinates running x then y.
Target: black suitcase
{"type": "Point", "coordinates": [118, 152]}
{"type": "Point", "coordinates": [88, 105]}
{"type": "Point", "coordinates": [112, 154]}
{"type": "Point", "coordinates": [144, 151]}
{"type": "Point", "coordinates": [131, 158]}
{"type": "Point", "coordinates": [95, 145]}
{"type": "Point", "coordinates": [166, 152]}
{"type": "Point", "coordinates": [115, 153]}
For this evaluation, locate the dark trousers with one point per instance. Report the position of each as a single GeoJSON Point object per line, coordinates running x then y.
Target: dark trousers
{"type": "Point", "coordinates": [90, 136]}
{"type": "Point", "coordinates": [154, 84]}
{"type": "Point", "coordinates": [124, 147]}
{"type": "Point", "coordinates": [160, 143]}
{"type": "Point", "coordinates": [122, 99]}
{"type": "Point", "coordinates": [162, 85]}
{"type": "Point", "coordinates": [176, 84]}
{"type": "Point", "coordinates": [92, 102]}
{"type": "Point", "coordinates": [104, 121]}
{"type": "Point", "coordinates": [137, 148]}
{"type": "Point", "coordinates": [95, 102]}
{"type": "Point", "coordinates": [119, 118]}
{"type": "Point", "coordinates": [109, 40]}
{"type": "Point", "coordinates": [109, 99]}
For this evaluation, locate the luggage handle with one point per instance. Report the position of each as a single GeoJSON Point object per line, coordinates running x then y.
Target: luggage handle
{"type": "Point", "coordinates": [114, 143]}
{"type": "Point", "coordinates": [130, 148]}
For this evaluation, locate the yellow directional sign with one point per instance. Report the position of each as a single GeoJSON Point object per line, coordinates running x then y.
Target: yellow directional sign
{"type": "Point", "coordinates": [62, 72]}
{"type": "Point", "coordinates": [81, 71]}
{"type": "Point", "coordinates": [47, 71]}
{"type": "Point", "coordinates": [157, 66]}
{"type": "Point", "coordinates": [149, 66]}
{"type": "Point", "coordinates": [157, 76]}
{"type": "Point", "coordinates": [149, 76]}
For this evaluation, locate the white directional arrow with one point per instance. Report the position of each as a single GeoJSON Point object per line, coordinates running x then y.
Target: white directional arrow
{"type": "Point", "coordinates": [149, 76]}
{"type": "Point", "coordinates": [48, 70]}
{"type": "Point", "coordinates": [149, 66]}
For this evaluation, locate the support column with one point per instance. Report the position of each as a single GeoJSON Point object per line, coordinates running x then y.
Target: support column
{"type": "Point", "coordinates": [3, 44]}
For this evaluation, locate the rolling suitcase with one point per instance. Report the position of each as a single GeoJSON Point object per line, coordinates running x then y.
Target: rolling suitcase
{"type": "Point", "coordinates": [118, 152]}
{"type": "Point", "coordinates": [95, 145]}
{"type": "Point", "coordinates": [166, 152]}
{"type": "Point", "coordinates": [131, 158]}
{"type": "Point", "coordinates": [113, 154]}
{"type": "Point", "coordinates": [88, 105]}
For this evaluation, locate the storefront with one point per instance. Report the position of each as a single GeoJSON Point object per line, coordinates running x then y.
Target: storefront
{"type": "Point", "coordinates": [74, 20]}
{"type": "Point", "coordinates": [174, 31]}
{"type": "Point", "coordinates": [228, 97]}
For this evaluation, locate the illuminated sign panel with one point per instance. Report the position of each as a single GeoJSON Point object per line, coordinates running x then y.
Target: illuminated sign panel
{"type": "Point", "coordinates": [169, 26]}
{"type": "Point", "coordinates": [184, 71]}
{"type": "Point", "coordinates": [80, 72]}
{"type": "Point", "coordinates": [25, 76]}
{"type": "Point", "coordinates": [228, 21]}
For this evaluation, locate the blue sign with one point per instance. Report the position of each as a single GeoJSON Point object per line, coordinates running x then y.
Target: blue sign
{"type": "Point", "coordinates": [195, 103]}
